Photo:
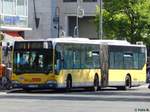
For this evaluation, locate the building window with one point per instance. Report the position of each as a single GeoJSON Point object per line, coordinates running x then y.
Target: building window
{"type": "Point", "coordinates": [89, 0]}
{"type": "Point", "coordinates": [0, 6]}
{"type": "Point", "coordinates": [70, 0]}
{"type": "Point", "coordinates": [14, 12]}
{"type": "Point", "coordinates": [13, 7]}
{"type": "Point", "coordinates": [80, 0]}
{"type": "Point", "coordinates": [8, 7]}
{"type": "Point", "coordinates": [22, 7]}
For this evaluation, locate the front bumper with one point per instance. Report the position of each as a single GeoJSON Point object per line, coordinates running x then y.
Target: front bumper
{"type": "Point", "coordinates": [35, 86]}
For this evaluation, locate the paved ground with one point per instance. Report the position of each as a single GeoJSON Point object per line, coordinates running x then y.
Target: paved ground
{"type": "Point", "coordinates": [107, 100]}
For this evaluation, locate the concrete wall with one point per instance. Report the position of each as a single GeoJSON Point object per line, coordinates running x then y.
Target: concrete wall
{"type": "Point", "coordinates": [43, 12]}
{"type": "Point", "coordinates": [46, 11]}
{"type": "Point", "coordinates": [87, 28]}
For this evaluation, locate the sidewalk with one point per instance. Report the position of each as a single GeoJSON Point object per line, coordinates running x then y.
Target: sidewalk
{"type": "Point", "coordinates": [144, 86]}
{"type": "Point", "coordinates": [3, 93]}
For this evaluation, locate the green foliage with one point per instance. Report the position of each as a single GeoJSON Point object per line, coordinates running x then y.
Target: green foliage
{"type": "Point", "coordinates": [126, 19]}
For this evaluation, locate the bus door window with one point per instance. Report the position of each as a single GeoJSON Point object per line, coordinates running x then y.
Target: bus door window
{"type": "Point", "coordinates": [76, 57]}
{"type": "Point", "coordinates": [68, 56]}
{"type": "Point", "coordinates": [59, 58]}
{"type": "Point", "coordinates": [83, 56]}
{"type": "Point", "coordinates": [89, 57]}
{"type": "Point", "coordinates": [58, 61]}
{"type": "Point", "coordinates": [96, 56]}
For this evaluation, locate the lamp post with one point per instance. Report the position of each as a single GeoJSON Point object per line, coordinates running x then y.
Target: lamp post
{"type": "Point", "coordinates": [76, 28]}
{"type": "Point", "coordinates": [77, 22]}
{"type": "Point", "coordinates": [79, 14]}
{"type": "Point", "coordinates": [101, 20]}
{"type": "Point", "coordinates": [57, 11]}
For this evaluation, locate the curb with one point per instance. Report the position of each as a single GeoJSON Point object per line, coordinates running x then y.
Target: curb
{"type": "Point", "coordinates": [144, 86]}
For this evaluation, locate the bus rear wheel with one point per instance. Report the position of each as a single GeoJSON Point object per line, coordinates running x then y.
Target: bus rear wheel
{"type": "Point", "coordinates": [68, 83]}
{"type": "Point", "coordinates": [127, 84]}
{"type": "Point", "coordinates": [96, 83]}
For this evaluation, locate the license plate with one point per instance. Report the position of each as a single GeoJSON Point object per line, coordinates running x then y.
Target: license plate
{"type": "Point", "coordinates": [33, 86]}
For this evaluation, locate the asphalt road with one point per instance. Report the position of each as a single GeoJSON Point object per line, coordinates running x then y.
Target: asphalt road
{"type": "Point", "coordinates": [107, 100]}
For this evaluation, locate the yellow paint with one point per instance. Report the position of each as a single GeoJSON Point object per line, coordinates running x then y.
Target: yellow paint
{"type": "Point", "coordinates": [81, 76]}
{"type": "Point", "coordinates": [120, 75]}
{"type": "Point", "coordinates": [78, 76]}
{"type": "Point", "coordinates": [36, 78]}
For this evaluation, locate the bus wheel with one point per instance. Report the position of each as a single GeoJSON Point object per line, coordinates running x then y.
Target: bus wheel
{"type": "Point", "coordinates": [68, 83]}
{"type": "Point", "coordinates": [96, 83]}
{"type": "Point", "coordinates": [128, 82]}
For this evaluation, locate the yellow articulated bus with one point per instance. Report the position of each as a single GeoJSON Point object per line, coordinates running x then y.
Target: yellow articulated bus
{"type": "Point", "coordinates": [123, 65]}
{"type": "Point", "coordinates": [77, 62]}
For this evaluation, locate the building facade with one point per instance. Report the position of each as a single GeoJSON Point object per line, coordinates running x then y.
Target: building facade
{"type": "Point", "coordinates": [54, 18]}
{"type": "Point", "coordinates": [13, 23]}
{"type": "Point", "coordinates": [41, 14]}
{"type": "Point", "coordinates": [68, 15]}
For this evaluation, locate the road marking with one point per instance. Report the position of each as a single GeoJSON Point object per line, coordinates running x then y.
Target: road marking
{"type": "Point", "coordinates": [3, 93]}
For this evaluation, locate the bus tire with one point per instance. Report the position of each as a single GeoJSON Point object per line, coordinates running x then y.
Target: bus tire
{"type": "Point", "coordinates": [96, 83]}
{"type": "Point", "coordinates": [127, 84]}
{"type": "Point", "coordinates": [68, 83]}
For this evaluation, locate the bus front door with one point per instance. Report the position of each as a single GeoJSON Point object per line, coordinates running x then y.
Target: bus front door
{"type": "Point", "coordinates": [104, 65]}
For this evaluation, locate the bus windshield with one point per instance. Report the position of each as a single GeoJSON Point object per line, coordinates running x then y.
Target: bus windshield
{"type": "Point", "coordinates": [32, 61]}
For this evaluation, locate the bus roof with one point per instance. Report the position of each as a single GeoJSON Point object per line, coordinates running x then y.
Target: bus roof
{"type": "Point", "coordinates": [89, 41]}
{"type": "Point", "coordinates": [117, 43]}
{"type": "Point", "coordinates": [71, 40]}
{"type": "Point", "coordinates": [86, 41]}
{"type": "Point", "coordinates": [122, 42]}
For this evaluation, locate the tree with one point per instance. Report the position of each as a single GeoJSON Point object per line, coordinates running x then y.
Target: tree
{"type": "Point", "coordinates": [126, 19]}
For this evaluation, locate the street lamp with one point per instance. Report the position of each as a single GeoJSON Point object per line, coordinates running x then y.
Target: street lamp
{"type": "Point", "coordinates": [76, 28]}
{"type": "Point", "coordinates": [56, 20]}
{"type": "Point", "coordinates": [79, 14]}
{"type": "Point", "coordinates": [101, 20]}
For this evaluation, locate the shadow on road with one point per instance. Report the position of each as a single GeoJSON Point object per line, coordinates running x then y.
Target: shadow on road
{"type": "Point", "coordinates": [76, 98]}
{"type": "Point", "coordinates": [80, 95]}
{"type": "Point", "coordinates": [109, 91]}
